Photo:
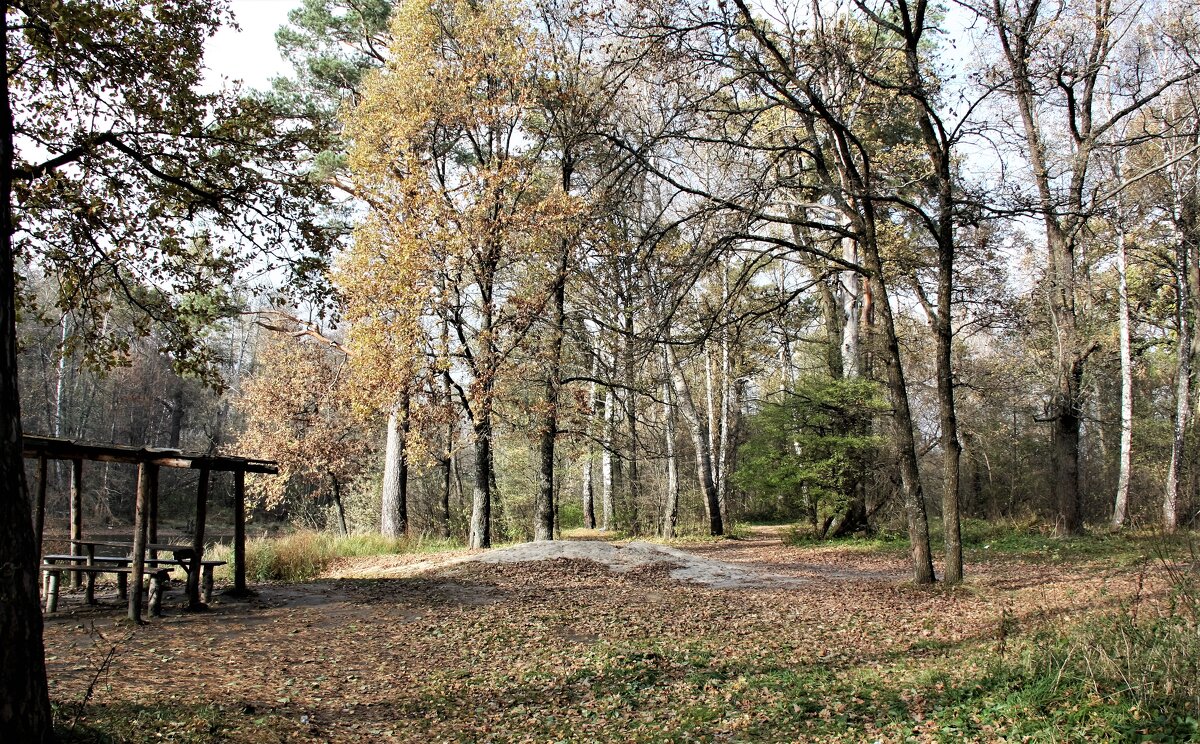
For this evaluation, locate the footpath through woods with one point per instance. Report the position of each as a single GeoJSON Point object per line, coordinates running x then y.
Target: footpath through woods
{"type": "Point", "coordinates": [824, 643]}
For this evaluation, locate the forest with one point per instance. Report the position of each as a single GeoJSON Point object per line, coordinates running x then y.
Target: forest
{"type": "Point", "coordinates": [897, 299]}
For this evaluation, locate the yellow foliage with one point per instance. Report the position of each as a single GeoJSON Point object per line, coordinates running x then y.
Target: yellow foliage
{"type": "Point", "coordinates": [463, 213]}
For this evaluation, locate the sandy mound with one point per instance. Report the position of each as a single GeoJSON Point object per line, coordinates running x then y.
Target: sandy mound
{"type": "Point", "coordinates": [619, 559]}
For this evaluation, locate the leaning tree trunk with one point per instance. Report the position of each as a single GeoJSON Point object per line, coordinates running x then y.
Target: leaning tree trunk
{"type": "Point", "coordinates": [700, 443]}
{"type": "Point", "coordinates": [394, 506]}
{"type": "Point", "coordinates": [24, 699]}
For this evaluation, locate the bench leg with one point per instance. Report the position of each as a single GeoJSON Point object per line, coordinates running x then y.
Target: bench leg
{"type": "Point", "coordinates": [91, 588]}
{"type": "Point", "coordinates": [207, 585]}
{"type": "Point", "coordinates": [52, 578]}
{"type": "Point", "coordinates": [156, 591]}
{"type": "Point", "coordinates": [123, 586]}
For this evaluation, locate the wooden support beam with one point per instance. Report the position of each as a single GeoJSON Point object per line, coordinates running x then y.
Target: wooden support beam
{"type": "Point", "coordinates": [76, 514]}
{"type": "Point", "coordinates": [193, 579]}
{"type": "Point", "coordinates": [39, 509]}
{"type": "Point", "coordinates": [146, 473]}
{"type": "Point", "coordinates": [239, 532]}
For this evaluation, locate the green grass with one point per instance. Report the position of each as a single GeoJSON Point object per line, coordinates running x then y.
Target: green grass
{"type": "Point", "coordinates": [1029, 540]}
{"type": "Point", "coordinates": [303, 555]}
{"type": "Point", "coordinates": [126, 723]}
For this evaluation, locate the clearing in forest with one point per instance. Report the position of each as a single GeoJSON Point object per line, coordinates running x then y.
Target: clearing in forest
{"type": "Point", "coordinates": [733, 640]}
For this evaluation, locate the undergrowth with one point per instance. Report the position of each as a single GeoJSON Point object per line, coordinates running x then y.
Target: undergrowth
{"type": "Point", "coordinates": [305, 554]}
{"type": "Point", "coordinates": [1027, 539]}
{"type": "Point", "coordinates": [1129, 675]}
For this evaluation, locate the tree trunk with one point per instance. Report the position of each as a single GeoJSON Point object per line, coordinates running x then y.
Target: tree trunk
{"type": "Point", "coordinates": [671, 505]}
{"type": "Point", "coordinates": [339, 510]}
{"type": "Point", "coordinates": [1121, 507]}
{"type": "Point", "coordinates": [481, 502]}
{"type": "Point", "coordinates": [588, 491]}
{"type": "Point", "coordinates": [700, 443]}
{"type": "Point", "coordinates": [451, 428]}
{"type": "Point", "coordinates": [832, 312]}
{"type": "Point", "coordinates": [1183, 396]}
{"type": "Point", "coordinates": [633, 480]}
{"type": "Point", "coordinates": [852, 306]}
{"type": "Point", "coordinates": [902, 421]}
{"type": "Point", "coordinates": [1059, 221]}
{"type": "Point", "coordinates": [710, 405]}
{"type": "Point", "coordinates": [447, 465]}
{"type": "Point", "coordinates": [543, 507]}
{"type": "Point", "coordinates": [607, 505]}
{"type": "Point", "coordinates": [951, 448]}
{"type": "Point", "coordinates": [394, 507]}
{"type": "Point", "coordinates": [24, 699]}
{"type": "Point", "coordinates": [726, 406]}
{"type": "Point", "coordinates": [175, 427]}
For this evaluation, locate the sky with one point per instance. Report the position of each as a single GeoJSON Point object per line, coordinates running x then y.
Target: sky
{"type": "Point", "coordinates": [249, 53]}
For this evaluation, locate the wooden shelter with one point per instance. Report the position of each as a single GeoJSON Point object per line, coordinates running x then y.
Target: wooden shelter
{"type": "Point", "coordinates": [145, 529]}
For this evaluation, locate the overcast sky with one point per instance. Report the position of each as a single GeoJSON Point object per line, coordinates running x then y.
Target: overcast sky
{"type": "Point", "coordinates": [249, 54]}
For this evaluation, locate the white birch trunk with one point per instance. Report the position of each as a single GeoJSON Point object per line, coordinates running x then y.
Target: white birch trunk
{"type": "Point", "coordinates": [1121, 508]}
{"type": "Point", "coordinates": [671, 506]}
{"type": "Point", "coordinates": [607, 505]}
{"type": "Point", "coordinates": [851, 291]}
{"type": "Point", "coordinates": [389, 522]}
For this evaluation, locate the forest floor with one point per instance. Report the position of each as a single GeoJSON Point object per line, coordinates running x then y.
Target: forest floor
{"type": "Point", "coordinates": [822, 643]}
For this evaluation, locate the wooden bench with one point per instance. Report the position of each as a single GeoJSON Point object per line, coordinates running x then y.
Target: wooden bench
{"type": "Point", "coordinates": [160, 578]}
{"type": "Point", "coordinates": [206, 570]}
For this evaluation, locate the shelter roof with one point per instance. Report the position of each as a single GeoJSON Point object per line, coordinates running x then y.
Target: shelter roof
{"type": "Point", "coordinates": [53, 448]}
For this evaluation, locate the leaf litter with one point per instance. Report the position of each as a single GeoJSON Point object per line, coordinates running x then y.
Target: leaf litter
{"type": "Point", "coordinates": [746, 640]}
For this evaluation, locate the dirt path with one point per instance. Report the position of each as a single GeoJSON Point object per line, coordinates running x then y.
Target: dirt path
{"type": "Point", "coordinates": [760, 560]}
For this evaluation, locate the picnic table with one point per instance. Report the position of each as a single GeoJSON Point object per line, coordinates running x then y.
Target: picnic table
{"type": "Point", "coordinates": [90, 565]}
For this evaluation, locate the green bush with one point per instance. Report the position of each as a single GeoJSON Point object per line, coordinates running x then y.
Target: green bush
{"type": "Point", "coordinates": [808, 454]}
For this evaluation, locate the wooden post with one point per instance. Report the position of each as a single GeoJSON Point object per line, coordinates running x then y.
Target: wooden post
{"type": "Point", "coordinates": [193, 579]}
{"type": "Point", "coordinates": [146, 473]}
{"type": "Point", "coordinates": [239, 532]}
{"type": "Point", "coordinates": [76, 514]}
{"type": "Point", "coordinates": [39, 509]}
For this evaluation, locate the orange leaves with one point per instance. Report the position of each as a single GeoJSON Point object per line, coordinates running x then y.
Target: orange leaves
{"type": "Point", "coordinates": [296, 413]}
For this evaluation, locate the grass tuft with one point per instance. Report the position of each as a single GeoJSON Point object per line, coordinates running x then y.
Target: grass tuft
{"type": "Point", "coordinates": [303, 555]}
